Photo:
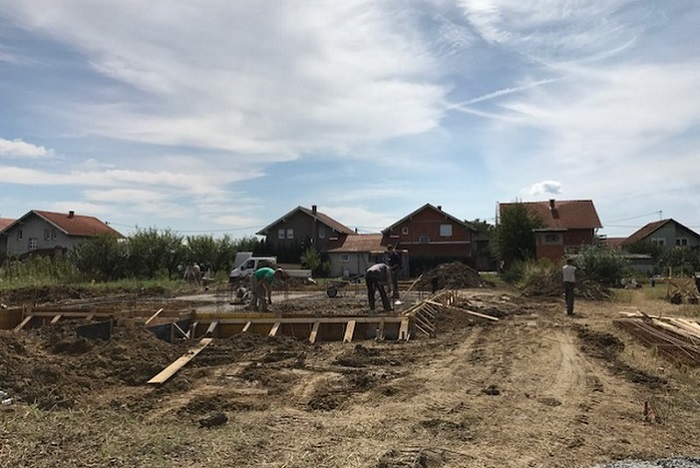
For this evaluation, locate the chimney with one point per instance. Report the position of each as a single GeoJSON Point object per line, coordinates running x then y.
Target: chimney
{"type": "Point", "coordinates": [553, 208]}
{"type": "Point", "coordinates": [313, 209]}
{"type": "Point", "coordinates": [439, 207]}
{"type": "Point", "coordinates": [71, 213]}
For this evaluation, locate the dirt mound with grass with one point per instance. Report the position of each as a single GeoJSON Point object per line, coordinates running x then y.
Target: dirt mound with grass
{"type": "Point", "coordinates": [454, 275]}
{"type": "Point", "coordinates": [52, 367]}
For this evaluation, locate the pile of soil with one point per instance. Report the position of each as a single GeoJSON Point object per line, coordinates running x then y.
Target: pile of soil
{"type": "Point", "coordinates": [53, 368]}
{"type": "Point", "coordinates": [549, 283]}
{"type": "Point", "coordinates": [454, 275]}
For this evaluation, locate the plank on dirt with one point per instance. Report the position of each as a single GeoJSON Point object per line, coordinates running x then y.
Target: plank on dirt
{"type": "Point", "coordinates": [403, 330]}
{"type": "Point", "coordinates": [178, 364]}
{"type": "Point", "coordinates": [26, 320]}
{"type": "Point", "coordinates": [349, 331]}
{"type": "Point", "coordinates": [56, 318]}
{"type": "Point", "coordinates": [275, 328]}
{"type": "Point", "coordinates": [314, 332]}
{"type": "Point", "coordinates": [153, 317]}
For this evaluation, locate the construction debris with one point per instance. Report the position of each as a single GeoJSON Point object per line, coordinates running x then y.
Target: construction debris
{"type": "Point", "coordinates": [677, 338]}
{"type": "Point", "coordinates": [682, 291]}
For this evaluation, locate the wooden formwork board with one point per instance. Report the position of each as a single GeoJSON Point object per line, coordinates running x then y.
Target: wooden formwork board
{"type": "Point", "coordinates": [315, 329]}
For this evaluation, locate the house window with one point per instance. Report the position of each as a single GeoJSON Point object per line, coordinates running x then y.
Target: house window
{"type": "Point", "coordinates": [445, 230]}
{"type": "Point", "coordinates": [290, 233]}
{"type": "Point", "coordinates": [19, 234]}
{"type": "Point", "coordinates": [661, 242]}
{"type": "Point", "coordinates": [321, 233]}
{"type": "Point", "coordinates": [280, 233]}
{"type": "Point", "coordinates": [33, 243]}
{"type": "Point", "coordinates": [47, 233]}
{"type": "Point", "coordinates": [552, 239]}
{"type": "Point", "coordinates": [53, 234]}
{"type": "Point", "coordinates": [424, 239]}
{"type": "Point", "coordinates": [345, 258]}
{"type": "Point", "coordinates": [404, 230]}
{"type": "Point", "coordinates": [682, 242]}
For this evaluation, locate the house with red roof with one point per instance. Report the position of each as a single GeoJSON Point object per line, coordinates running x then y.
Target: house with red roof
{"type": "Point", "coordinates": [304, 226]}
{"type": "Point", "coordinates": [568, 226]}
{"type": "Point", "coordinates": [48, 232]}
{"type": "Point", "coordinates": [4, 222]}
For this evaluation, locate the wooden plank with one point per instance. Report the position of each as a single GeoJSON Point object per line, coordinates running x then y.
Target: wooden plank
{"type": "Point", "coordinates": [154, 316]}
{"type": "Point", "coordinates": [193, 330]}
{"type": "Point", "coordinates": [275, 328]}
{"type": "Point", "coordinates": [687, 325]}
{"type": "Point", "coordinates": [314, 332]}
{"type": "Point", "coordinates": [56, 318]}
{"type": "Point", "coordinates": [471, 312]}
{"type": "Point", "coordinates": [403, 329]}
{"type": "Point", "coordinates": [89, 317]}
{"type": "Point", "coordinates": [212, 328]}
{"type": "Point", "coordinates": [178, 364]}
{"type": "Point", "coordinates": [246, 327]}
{"type": "Point", "coordinates": [26, 320]}
{"type": "Point", "coordinates": [380, 331]}
{"type": "Point", "coordinates": [423, 330]}
{"type": "Point", "coordinates": [425, 323]}
{"type": "Point", "coordinates": [349, 331]}
{"type": "Point", "coordinates": [180, 330]}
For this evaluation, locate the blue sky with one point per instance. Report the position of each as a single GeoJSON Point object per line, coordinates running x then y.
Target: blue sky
{"type": "Point", "coordinates": [219, 117]}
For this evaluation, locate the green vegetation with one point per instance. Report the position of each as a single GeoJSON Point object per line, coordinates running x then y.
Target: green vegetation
{"type": "Point", "coordinates": [602, 265]}
{"type": "Point", "coordinates": [514, 238]}
{"type": "Point", "coordinates": [148, 258]}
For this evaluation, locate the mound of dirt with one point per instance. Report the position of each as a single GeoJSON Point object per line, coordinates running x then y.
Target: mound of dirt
{"type": "Point", "coordinates": [53, 368]}
{"type": "Point", "coordinates": [454, 275]}
{"type": "Point", "coordinates": [549, 283]}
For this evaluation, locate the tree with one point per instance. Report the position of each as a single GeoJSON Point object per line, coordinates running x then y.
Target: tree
{"type": "Point", "coordinates": [602, 264]}
{"type": "Point", "coordinates": [102, 258]}
{"type": "Point", "coordinates": [683, 261]}
{"type": "Point", "coordinates": [514, 239]}
{"type": "Point", "coordinates": [480, 225]}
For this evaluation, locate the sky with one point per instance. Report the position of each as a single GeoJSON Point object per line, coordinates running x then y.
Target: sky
{"type": "Point", "coordinates": [219, 117]}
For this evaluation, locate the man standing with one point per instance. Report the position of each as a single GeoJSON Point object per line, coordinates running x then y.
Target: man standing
{"type": "Point", "coordinates": [569, 274]}
{"type": "Point", "coordinates": [261, 286]}
{"type": "Point", "coordinates": [376, 277]}
{"type": "Point", "coordinates": [393, 259]}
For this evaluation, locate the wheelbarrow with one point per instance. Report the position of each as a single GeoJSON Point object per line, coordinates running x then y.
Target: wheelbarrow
{"type": "Point", "coordinates": [335, 287]}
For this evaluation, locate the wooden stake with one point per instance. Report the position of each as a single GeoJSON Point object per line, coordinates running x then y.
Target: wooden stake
{"type": "Point", "coordinates": [349, 331]}
{"type": "Point", "coordinates": [169, 371]}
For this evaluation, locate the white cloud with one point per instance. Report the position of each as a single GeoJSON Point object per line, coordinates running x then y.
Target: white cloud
{"type": "Point", "coordinates": [546, 187]}
{"type": "Point", "coordinates": [276, 80]}
{"type": "Point", "coordinates": [20, 149]}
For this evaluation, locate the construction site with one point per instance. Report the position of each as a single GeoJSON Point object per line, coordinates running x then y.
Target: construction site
{"type": "Point", "coordinates": [469, 375]}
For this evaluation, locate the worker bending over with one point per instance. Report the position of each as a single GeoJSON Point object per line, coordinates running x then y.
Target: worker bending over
{"type": "Point", "coordinates": [376, 277]}
{"type": "Point", "coordinates": [261, 286]}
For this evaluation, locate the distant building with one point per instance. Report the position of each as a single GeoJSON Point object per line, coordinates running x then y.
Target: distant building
{"type": "Point", "coordinates": [667, 234]}
{"type": "Point", "coordinates": [568, 226]}
{"type": "Point", "coordinates": [304, 226]}
{"type": "Point", "coordinates": [51, 233]}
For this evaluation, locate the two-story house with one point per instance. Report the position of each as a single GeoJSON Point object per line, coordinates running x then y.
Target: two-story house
{"type": "Point", "coordinates": [304, 226]}
{"type": "Point", "coordinates": [51, 233]}
{"type": "Point", "coordinates": [667, 233]}
{"type": "Point", "coordinates": [567, 226]}
{"type": "Point", "coordinates": [431, 232]}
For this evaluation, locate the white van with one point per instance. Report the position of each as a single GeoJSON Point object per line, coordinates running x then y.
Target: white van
{"type": "Point", "coordinates": [250, 265]}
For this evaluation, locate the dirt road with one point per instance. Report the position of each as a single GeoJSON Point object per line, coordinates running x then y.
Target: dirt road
{"type": "Point", "coordinates": [536, 389]}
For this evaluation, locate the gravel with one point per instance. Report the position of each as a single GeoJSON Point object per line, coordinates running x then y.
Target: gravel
{"type": "Point", "coordinates": [682, 462]}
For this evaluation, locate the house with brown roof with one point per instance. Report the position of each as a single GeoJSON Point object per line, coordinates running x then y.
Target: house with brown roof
{"type": "Point", "coordinates": [51, 233]}
{"type": "Point", "coordinates": [4, 222]}
{"type": "Point", "coordinates": [568, 226]}
{"type": "Point", "coordinates": [352, 255]}
{"type": "Point", "coordinates": [304, 226]}
{"type": "Point", "coordinates": [667, 233]}
{"type": "Point", "coordinates": [430, 232]}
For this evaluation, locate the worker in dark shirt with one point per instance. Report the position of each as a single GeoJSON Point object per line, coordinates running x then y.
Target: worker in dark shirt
{"type": "Point", "coordinates": [376, 277]}
{"type": "Point", "coordinates": [393, 259]}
